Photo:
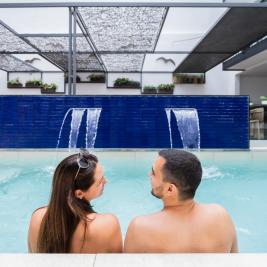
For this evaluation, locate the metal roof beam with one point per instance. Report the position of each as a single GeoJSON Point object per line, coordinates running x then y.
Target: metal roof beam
{"type": "Point", "coordinates": [128, 4]}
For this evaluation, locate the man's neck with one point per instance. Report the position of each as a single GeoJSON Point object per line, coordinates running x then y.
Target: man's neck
{"type": "Point", "coordinates": [185, 205]}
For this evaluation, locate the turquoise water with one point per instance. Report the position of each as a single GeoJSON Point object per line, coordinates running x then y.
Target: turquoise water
{"type": "Point", "coordinates": [240, 186]}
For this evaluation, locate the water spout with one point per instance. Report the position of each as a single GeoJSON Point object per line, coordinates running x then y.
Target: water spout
{"type": "Point", "coordinates": [93, 115]}
{"type": "Point", "coordinates": [76, 119]}
{"type": "Point", "coordinates": [60, 132]}
{"type": "Point", "coordinates": [92, 119]}
{"type": "Point", "coordinates": [188, 126]}
{"type": "Point", "coordinates": [168, 113]}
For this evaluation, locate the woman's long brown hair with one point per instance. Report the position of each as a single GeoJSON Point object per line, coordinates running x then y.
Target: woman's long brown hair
{"type": "Point", "coordinates": [65, 211]}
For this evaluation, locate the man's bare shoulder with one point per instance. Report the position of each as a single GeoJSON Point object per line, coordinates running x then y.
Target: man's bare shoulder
{"type": "Point", "coordinates": [217, 219]}
{"type": "Point", "coordinates": [213, 211]}
{"type": "Point", "coordinates": [144, 220]}
{"type": "Point", "coordinates": [143, 224]}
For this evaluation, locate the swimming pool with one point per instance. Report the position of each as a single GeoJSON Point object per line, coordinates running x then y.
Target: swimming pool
{"type": "Point", "coordinates": [237, 180]}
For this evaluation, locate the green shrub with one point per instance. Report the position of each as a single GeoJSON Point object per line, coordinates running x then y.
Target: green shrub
{"type": "Point", "coordinates": [150, 89]}
{"type": "Point", "coordinates": [125, 82]}
{"type": "Point", "coordinates": [15, 82]}
{"type": "Point", "coordinates": [66, 77]}
{"type": "Point", "coordinates": [167, 87]}
{"type": "Point", "coordinates": [49, 87]}
{"type": "Point", "coordinates": [33, 82]}
{"type": "Point", "coordinates": [96, 77]}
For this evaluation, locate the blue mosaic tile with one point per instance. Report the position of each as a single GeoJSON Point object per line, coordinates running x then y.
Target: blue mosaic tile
{"type": "Point", "coordinates": [125, 122]}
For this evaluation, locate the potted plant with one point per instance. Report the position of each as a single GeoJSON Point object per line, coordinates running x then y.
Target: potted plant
{"type": "Point", "coordinates": [263, 100]}
{"type": "Point", "coordinates": [150, 90]}
{"type": "Point", "coordinates": [66, 78]}
{"type": "Point", "coordinates": [33, 84]}
{"type": "Point", "coordinates": [48, 88]}
{"type": "Point", "coordinates": [166, 88]}
{"type": "Point", "coordinates": [14, 84]}
{"type": "Point", "coordinates": [96, 78]}
{"type": "Point", "coordinates": [201, 78]}
{"type": "Point", "coordinates": [178, 78]}
{"type": "Point", "coordinates": [126, 83]}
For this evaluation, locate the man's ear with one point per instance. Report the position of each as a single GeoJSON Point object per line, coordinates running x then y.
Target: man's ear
{"type": "Point", "coordinates": [79, 194]}
{"type": "Point", "coordinates": [172, 189]}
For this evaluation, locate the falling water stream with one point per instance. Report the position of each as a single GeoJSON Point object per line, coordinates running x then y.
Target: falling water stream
{"type": "Point", "coordinates": [92, 119]}
{"type": "Point", "coordinates": [188, 126]}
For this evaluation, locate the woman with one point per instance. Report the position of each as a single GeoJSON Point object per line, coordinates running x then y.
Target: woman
{"type": "Point", "coordinates": [69, 223]}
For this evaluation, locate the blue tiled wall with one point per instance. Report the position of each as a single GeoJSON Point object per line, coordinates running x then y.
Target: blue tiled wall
{"type": "Point", "coordinates": [125, 122]}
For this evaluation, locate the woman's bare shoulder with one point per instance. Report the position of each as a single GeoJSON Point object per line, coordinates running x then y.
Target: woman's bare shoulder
{"type": "Point", "coordinates": [36, 219]}
{"type": "Point", "coordinates": [38, 214]}
{"type": "Point", "coordinates": [104, 223]}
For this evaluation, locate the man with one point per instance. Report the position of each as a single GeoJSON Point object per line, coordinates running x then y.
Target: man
{"type": "Point", "coordinates": [183, 225]}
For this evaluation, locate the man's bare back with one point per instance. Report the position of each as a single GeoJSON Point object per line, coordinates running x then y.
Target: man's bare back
{"type": "Point", "coordinates": [182, 225]}
{"type": "Point", "coordinates": [194, 228]}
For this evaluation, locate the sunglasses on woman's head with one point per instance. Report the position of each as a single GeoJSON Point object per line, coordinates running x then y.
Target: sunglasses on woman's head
{"type": "Point", "coordinates": [84, 160]}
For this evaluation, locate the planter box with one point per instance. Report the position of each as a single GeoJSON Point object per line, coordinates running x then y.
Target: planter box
{"type": "Point", "coordinates": [165, 92]}
{"type": "Point", "coordinates": [98, 81]}
{"type": "Point", "coordinates": [31, 85]}
{"type": "Point", "coordinates": [126, 87]}
{"type": "Point", "coordinates": [48, 91]}
{"type": "Point", "coordinates": [88, 82]}
{"type": "Point", "coordinates": [14, 86]}
{"type": "Point", "coordinates": [149, 92]}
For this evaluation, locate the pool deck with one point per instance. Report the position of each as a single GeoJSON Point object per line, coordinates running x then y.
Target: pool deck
{"type": "Point", "coordinates": [22, 156]}
{"type": "Point", "coordinates": [133, 260]}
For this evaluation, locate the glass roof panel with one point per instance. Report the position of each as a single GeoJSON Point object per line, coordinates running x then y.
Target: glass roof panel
{"type": "Point", "coordinates": [11, 63]}
{"type": "Point", "coordinates": [38, 62]}
{"type": "Point", "coordinates": [123, 28]}
{"type": "Point", "coordinates": [9, 42]}
{"type": "Point", "coordinates": [59, 44]}
{"type": "Point", "coordinates": [36, 20]}
{"type": "Point", "coordinates": [84, 62]}
{"type": "Point", "coordinates": [182, 32]}
{"type": "Point", "coordinates": [123, 62]}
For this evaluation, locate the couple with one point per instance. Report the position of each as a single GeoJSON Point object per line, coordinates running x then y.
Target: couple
{"type": "Point", "coordinates": [70, 225]}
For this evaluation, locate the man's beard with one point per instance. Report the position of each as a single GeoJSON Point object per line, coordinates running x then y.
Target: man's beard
{"type": "Point", "coordinates": [158, 195]}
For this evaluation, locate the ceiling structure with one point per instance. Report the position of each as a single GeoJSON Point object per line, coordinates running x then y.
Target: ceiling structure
{"type": "Point", "coordinates": [154, 36]}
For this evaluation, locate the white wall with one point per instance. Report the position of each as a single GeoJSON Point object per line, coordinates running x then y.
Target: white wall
{"type": "Point", "coordinates": [155, 79]}
{"type": "Point", "coordinates": [101, 89]}
{"type": "Point", "coordinates": [218, 82]}
{"type": "Point", "coordinates": [254, 86]}
{"type": "Point", "coordinates": [5, 91]}
{"type": "Point", "coordinates": [57, 78]}
{"type": "Point", "coordinates": [23, 77]}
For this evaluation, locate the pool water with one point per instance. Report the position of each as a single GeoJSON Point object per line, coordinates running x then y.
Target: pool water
{"type": "Point", "coordinates": [239, 185]}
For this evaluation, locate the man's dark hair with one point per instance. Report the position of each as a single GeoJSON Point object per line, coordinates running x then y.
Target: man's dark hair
{"type": "Point", "coordinates": [182, 169]}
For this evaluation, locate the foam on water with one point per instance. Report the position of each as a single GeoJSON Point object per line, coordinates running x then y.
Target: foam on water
{"type": "Point", "coordinates": [8, 174]}
{"type": "Point", "coordinates": [243, 231]}
{"type": "Point", "coordinates": [212, 172]}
